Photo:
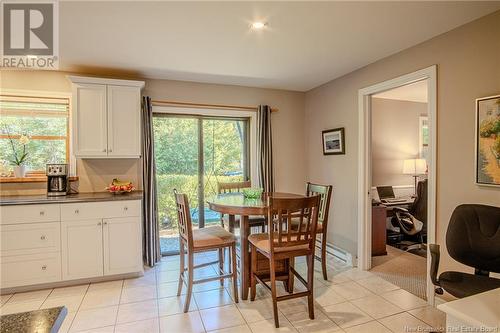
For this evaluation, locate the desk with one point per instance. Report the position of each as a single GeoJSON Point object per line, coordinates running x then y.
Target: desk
{"type": "Point", "coordinates": [379, 230]}
{"type": "Point", "coordinates": [477, 313]}
{"type": "Point", "coordinates": [236, 204]}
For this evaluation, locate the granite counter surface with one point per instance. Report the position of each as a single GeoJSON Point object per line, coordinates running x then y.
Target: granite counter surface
{"type": "Point", "coordinates": [70, 198]}
{"type": "Point", "coordinates": [38, 321]}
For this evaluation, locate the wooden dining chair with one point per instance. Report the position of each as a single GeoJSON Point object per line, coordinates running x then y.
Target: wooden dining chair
{"type": "Point", "coordinates": [325, 193]}
{"type": "Point", "coordinates": [202, 240]}
{"type": "Point", "coordinates": [235, 187]}
{"type": "Point", "coordinates": [285, 241]}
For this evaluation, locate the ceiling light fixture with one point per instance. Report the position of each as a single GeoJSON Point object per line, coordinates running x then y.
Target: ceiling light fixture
{"type": "Point", "coordinates": [258, 25]}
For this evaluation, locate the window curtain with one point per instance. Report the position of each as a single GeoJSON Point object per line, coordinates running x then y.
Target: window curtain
{"type": "Point", "coordinates": [151, 236]}
{"type": "Point", "coordinates": [265, 149]}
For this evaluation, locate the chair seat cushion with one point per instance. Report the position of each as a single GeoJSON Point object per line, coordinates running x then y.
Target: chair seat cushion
{"type": "Point", "coordinates": [461, 284]}
{"type": "Point", "coordinates": [212, 237]}
{"type": "Point", "coordinates": [261, 241]}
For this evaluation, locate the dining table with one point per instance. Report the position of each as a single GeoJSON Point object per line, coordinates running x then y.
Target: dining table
{"type": "Point", "coordinates": [236, 204]}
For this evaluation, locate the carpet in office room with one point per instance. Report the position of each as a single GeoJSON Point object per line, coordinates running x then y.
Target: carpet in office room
{"type": "Point", "coordinates": [406, 270]}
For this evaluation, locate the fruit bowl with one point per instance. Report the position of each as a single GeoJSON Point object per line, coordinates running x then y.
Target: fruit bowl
{"type": "Point", "coordinates": [120, 187]}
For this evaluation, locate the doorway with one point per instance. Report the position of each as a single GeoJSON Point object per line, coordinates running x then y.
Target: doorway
{"type": "Point", "coordinates": [193, 153]}
{"type": "Point", "coordinates": [366, 195]}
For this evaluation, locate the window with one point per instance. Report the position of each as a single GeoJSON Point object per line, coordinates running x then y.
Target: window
{"type": "Point", "coordinates": [423, 129]}
{"type": "Point", "coordinates": [44, 121]}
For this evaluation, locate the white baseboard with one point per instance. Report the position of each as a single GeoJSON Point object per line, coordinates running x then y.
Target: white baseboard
{"type": "Point", "coordinates": [339, 253]}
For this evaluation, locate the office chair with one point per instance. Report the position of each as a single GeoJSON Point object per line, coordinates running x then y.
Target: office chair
{"type": "Point", "coordinates": [473, 239]}
{"type": "Point", "coordinates": [412, 222]}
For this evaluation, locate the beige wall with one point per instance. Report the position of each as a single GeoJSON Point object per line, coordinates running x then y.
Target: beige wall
{"type": "Point", "coordinates": [467, 59]}
{"type": "Point", "coordinates": [395, 137]}
{"type": "Point", "coordinates": [288, 130]}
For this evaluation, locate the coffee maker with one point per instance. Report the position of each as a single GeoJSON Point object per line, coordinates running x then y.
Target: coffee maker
{"type": "Point", "coordinates": [57, 179]}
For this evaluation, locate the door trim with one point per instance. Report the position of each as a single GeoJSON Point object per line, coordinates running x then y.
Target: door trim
{"type": "Point", "coordinates": [364, 163]}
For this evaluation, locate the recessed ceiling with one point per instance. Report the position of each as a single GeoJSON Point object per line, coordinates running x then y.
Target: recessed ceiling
{"type": "Point", "coordinates": [414, 92]}
{"type": "Point", "coordinates": [305, 44]}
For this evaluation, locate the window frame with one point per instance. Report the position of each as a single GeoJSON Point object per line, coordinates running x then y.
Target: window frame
{"type": "Point", "coordinates": [46, 94]}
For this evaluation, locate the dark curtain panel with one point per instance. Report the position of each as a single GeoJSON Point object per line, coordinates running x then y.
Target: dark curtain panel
{"type": "Point", "coordinates": [151, 236]}
{"type": "Point", "coordinates": [265, 148]}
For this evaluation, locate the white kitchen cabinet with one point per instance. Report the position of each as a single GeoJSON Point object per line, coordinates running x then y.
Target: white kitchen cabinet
{"type": "Point", "coordinates": [82, 249]}
{"type": "Point", "coordinates": [107, 117]}
{"type": "Point", "coordinates": [47, 243]}
{"type": "Point", "coordinates": [90, 120]}
{"type": "Point", "coordinates": [124, 121]}
{"type": "Point", "coordinates": [122, 242]}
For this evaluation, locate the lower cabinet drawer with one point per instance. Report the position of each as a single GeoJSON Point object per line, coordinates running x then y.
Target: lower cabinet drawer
{"type": "Point", "coordinates": [30, 238]}
{"type": "Point", "coordinates": [30, 269]}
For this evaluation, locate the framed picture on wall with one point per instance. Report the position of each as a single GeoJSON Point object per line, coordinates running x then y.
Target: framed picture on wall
{"type": "Point", "coordinates": [488, 141]}
{"type": "Point", "coordinates": [334, 141]}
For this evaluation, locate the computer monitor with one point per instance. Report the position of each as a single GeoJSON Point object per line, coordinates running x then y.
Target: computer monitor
{"type": "Point", "coordinates": [385, 192]}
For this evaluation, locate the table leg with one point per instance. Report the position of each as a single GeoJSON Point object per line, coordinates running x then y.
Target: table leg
{"type": "Point", "coordinates": [231, 223]}
{"type": "Point", "coordinates": [244, 257]}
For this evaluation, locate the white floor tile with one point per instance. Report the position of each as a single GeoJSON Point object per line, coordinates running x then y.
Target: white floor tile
{"type": "Point", "coordinates": [16, 307]}
{"type": "Point", "coordinates": [117, 284]}
{"type": "Point", "coordinates": [169, 289]}
{"type": "Point", "coordinates": [5, 298]}
{"type": "Point", "coordinates": [94, 318]}
{"type": "Point", "coordinates": [107, 329]}
{"type": "Point", "coordinates": [346, 314]}
{"type": "Point", "coordinates": [70, 291]}
{"type": "Point", "coordinates": [39, 295]}
{"type": "Point", "coordinates": [182, 323]}
{"type": "Point", "coordinates": [258, 310]}
{"type": "Point", "coordinates": [236, 329]}
{"type": "Point", "coordinates": [404, 299]}
{"type": "Point", "coordinates": [405, 322]}
{"type": "Point", "coordinates": [68, 320]}
{"type": "Point", "coordinates": [377, 285]}
{"type": "Point", "coordinates": [101, 298]}
{"type": "Point", "coordinates": [376, 306]}
{"type": "Point", "coordinates": [72, 303]}
{"type": "Point", "coordinates": [221, 317]}
{"type": "Point", "coordinates": [432, 316]}
{"type": "Point", "coordinates": [137, 311]}
{"type": "Point", "coordinates": [137, 294]}
{"type": "Point", "coordinates": [212, 298]}
{"type": "Point", "coordinates": [371, 327]}
{"type": "Point", "coordinates": [327, 296]}
{"type": "Point", "coordinates": [320, 324]}
{"type": "Point", "coordinates": [350, 290]}
{"type": "Point", "coordinates": [268, 326]}
{"type": "Point", "coordinates": [173, 305]}
{"type": "Point", "coordinates": [143, 326]}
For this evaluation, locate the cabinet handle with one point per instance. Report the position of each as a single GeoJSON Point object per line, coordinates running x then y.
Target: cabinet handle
{"type": "Point", "coordinates": [104, 150]}
{"type": "Point", "coordinates": [42, 213]}
{"type": "Point", "coordinates": [43, 237]}
{"type": "Point", "coordinates": [77, 211]}
{"type": "Point", "coordinates": [110, 150]}
{"type": "Point", "coordinates": [99, 223]}
{"type": "Point", "coordinates": [105, 223]}
{"type": "Point", "coordinates": [125, 208]}
{"type": "Point", "coordinates": [44, 267]}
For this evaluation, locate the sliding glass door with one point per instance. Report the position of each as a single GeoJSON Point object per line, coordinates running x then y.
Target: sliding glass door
{"type": "Point", "coordinates": [192, 155]}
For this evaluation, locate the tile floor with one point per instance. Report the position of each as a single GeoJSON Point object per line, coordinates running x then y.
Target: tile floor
{"type": "Point", "coordinates": [350, 301]}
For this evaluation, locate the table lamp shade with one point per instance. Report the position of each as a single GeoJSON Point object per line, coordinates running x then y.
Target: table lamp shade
{"type": "Point", "coordinates": [414, 166]}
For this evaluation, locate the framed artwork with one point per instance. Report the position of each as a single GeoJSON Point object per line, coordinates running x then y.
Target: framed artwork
{"type": "Point", "coordinates": [488, 141]}
{"type": "Point", "coordinates": [334, 141]}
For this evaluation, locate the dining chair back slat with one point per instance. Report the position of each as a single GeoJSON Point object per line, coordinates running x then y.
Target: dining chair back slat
{"type": "Point", "coordinates": [184, 217]}
{"type": "Point", "coordinates": [283, 231]}
{"type": "Point", "coordinates": [232, 187]}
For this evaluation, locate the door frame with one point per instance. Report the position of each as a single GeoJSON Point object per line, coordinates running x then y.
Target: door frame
{"type": "Point", "coordinates": [365, 163]}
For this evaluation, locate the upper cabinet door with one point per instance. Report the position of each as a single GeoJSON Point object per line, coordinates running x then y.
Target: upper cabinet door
{"type": "Point", "coordinates": [90, 123]}
{"type": "Point", "coordinates": [124, 121]}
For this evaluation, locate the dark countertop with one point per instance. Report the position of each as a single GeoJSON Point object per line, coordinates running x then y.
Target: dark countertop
{"type": "Point", "coordinates": [38, 321]}
{"type": "Point", "coordinates": [70, 198]}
